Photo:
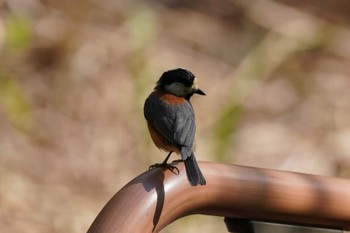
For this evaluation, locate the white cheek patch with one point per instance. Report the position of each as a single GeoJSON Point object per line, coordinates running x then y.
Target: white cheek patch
{"type": "Point", "coordinates": [195, 84]}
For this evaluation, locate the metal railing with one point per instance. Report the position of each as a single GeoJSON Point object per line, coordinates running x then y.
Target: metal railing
{"type": "Point", "coordinates": [158, 197]}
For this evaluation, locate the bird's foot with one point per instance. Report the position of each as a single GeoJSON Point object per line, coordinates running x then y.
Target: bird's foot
{"type": "Point", "coordinates": [177, 161]}
{"type": "Point", "coordinates": [168, 166]}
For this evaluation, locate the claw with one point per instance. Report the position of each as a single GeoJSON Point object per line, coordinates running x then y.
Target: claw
{"type": "Point", "coordinates": [170, 167]}
{"type": "Point", "coordinates": [155, 166]}
{"type": "Point", "coordinates": [177, 161]}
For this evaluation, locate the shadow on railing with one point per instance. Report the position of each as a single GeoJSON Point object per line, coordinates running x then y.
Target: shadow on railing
{"type": "Point", "coordinates": [158, 197]}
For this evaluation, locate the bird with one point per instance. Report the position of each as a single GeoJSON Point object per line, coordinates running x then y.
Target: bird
{"type": "Point", "coordinates": [171, 120]}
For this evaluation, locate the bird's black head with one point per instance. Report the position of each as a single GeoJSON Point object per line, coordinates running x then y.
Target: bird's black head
{"type": "Point", "coordinates": [179, 82]}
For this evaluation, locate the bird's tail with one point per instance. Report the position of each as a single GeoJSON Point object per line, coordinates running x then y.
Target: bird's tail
{"type": "Point", "coordinates": [194, 174]}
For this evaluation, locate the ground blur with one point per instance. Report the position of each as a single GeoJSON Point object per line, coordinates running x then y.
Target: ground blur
{"type": "Point", "coordinates": [74, 76]}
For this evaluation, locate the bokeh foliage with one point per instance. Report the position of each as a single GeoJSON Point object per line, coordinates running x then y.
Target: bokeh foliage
{"type": "Point", "coordinates": [74, 75]}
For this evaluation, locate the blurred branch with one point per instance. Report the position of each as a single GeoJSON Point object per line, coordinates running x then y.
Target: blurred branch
{"type": "Point", "coordinates": [298, 26]}
{"type": "Point", "coordinates": [297, 32]}
{"type": "Point", "coordinates": [156, 198]}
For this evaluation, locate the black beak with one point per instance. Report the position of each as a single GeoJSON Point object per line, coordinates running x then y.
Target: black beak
{"type": "Point", "coordinates": [199, 92]}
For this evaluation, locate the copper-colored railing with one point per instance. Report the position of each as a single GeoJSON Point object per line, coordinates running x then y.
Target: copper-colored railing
{"type": "Point", "coordinates": [158, 197]}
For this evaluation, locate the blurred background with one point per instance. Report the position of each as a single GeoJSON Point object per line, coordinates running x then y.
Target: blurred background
{"type": "Point", "coordinates": [74, 76]}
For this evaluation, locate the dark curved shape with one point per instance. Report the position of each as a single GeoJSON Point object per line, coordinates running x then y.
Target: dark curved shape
{"type": "Point", "coordinates": [158, 197]}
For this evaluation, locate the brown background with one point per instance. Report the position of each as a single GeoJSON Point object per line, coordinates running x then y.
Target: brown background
{"type": "Point", "coordinates": [74, 75]}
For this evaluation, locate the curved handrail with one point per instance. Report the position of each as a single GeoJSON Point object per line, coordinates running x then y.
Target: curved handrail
{"type": "Point", "coordinates": [158, 197]}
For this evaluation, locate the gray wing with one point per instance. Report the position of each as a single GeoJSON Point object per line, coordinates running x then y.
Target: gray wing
{"type": "Point", "coordinates": [174, 122]}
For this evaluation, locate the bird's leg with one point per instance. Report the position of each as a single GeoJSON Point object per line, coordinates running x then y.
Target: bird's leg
{"type": "Point", "coordinates": [165, 165]}
{"type": "Point", "coordinates": [167, 158]}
